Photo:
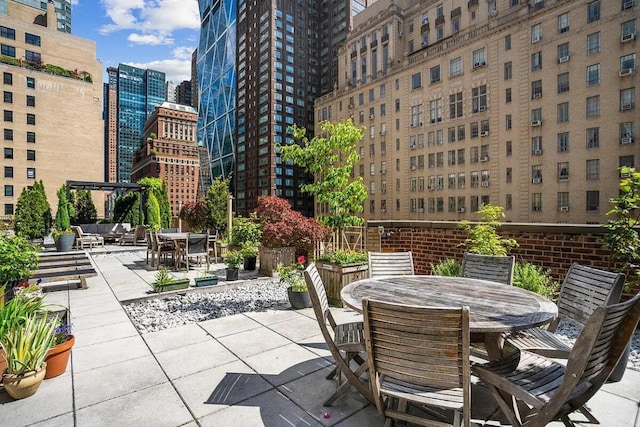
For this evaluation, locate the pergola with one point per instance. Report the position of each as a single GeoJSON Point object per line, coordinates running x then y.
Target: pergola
{"type": "Point", "coordinates": [125, 187]}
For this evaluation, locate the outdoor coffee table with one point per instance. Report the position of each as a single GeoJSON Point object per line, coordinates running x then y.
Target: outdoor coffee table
{"type": "Point", "coordinates": [494, 308]}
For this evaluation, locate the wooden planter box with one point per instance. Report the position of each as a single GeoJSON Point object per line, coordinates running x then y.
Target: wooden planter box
{"type": "Point", "coordinates": [270, 258]}
{"type": "Point", "coordinates": [173, 286]}
{"type": "Point", "coordinates": [335, 277]}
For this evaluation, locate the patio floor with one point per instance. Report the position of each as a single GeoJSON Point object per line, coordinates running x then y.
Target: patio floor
{"type": "Point", "coordinates": [263, 368]}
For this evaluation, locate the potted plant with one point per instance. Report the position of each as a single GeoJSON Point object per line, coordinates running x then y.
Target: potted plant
{"type": "Point", "coordinates": [292, 276]}
{"type": "Point", "coordinates": [26, 350]}
{"type": "Point", "coordinates": [249, 253]}
{"type": "Point", "coordinates": [233, 261]}
{"type": "Point", "coordinates": [18, 258]}
{"type": "Point", "coordinates": [206, 279]}
{"type": "Point", "coordinates": [62, 235]}
{"type": "Point", "coordinates": [63, 340]}
{"type": "Point", "coordinates": [338, 269]}
{"type": "Point", "coordinates": [164, 281]}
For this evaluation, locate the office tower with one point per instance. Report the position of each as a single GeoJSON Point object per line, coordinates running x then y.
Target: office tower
{"type": "Point", "coordinates": [111, 125]}
{"type": "Point", "coordinates": [183, 93]}
{"type": "Point", "coordinates": [138, 92]}
{"type": "Point", "coordinates": [279, 56]}
{"type": "Point", "coordinates": [170, 152]}
{"type": "Point", "coordinates": [527, 105]}
{"type": "Point", "coordinates": [52, 110]}
{"type": "Point", "coordinates": [171, 91]}
{"type": "Point", "coordinates": [62, 10]}
{"type": "Point", "coordinates": [194, 79]}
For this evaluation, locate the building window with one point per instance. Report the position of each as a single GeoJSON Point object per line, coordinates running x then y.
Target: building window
{"type": "Point", "coordinates": [31, 155]}
{"type": "Point", "coordinates": [508, 70]}
{"type": "Point", "coordinates": [479, 98]}
{"type": "Point", "coordinates": [563, 23]}
{"type": "Point", "coordinates": [536, 61]}
{"type": "Point", "coordinates": [32, 57]}
{"type": "Point", "coordinates": [32, 39]}
{"type": "Point", "coordinates": [563, 142]}
{"type": "Point", "coordinates": [31, 83]}
{"type": "Point", "coordinates": [435, 110]}
{"type": "Point", "coordinates": [593, 43]}
{"type": "Point", "coordinates": [536, 145]}
{"type": "Point", "coordinates": [593, 11]}
{"type": "Point", "coordinates": [593, 75]}
{"type": "Point", "coordinates": [563, 201]}
{"type": "Point", "coordinates": [31, 119]}
{"type": "Point", "coordinates": [8, 171]}
{"type": "Point", "coordinates": [593, 200]}
{"type": "Point", "coordinates": [536, 33]}
{"type": "Point", "coordinates": [7, 50]}
{"type": "Point", "coordinates": [8, 97]}
{"type": "Point", "coordinates": [8, 33]}
{"type": "Point", "coordinates": [461, 133]}
{"type": "Point", "coordinates": [593, 169]}
{"type": "Point", "coordinates": [455, 105]}
{"type": "Point", "coordinates": [508, 148]}
{"type": "Point", "coordinates": [563, 171]}
{"type": "Point", "coordinates": [8, 115]}
{"type": "Point", "coordinates": [507, 95]}
{"type": "Point", "coordinates": [508, 122]}
{"type": "Point", "coordinates": [593, 106]}
{"type": "Point", "coordinates": [627, 64]}
{"type": "Point", "coordinates": [7, 78]}
{"type": "Point", "coordinates": [507, 42]}
{"type": "Point", "coordinates": [536, 174]}
{"type": "Point", "coordinates": [563, 82]}
{"type": "Point", "coordinates": [31, 101]}
{"type": "Point", "coordinates": [8, 134]}
{"type": "Point", "coordinates": [628, 30]}
{"type": "Point", "coordinates": [627, 161]}
{"type": "Point", "coordinates": [416, 81]}
{"type": "Point", "coordinates": [434, 74]}
{"type": "Point", "coordinates": [455, 67]}
{"type": "Point", "coordinates": [536, 202]}
{"type": "Point", "coordinates": [536, 115]}
{"type": "Point", "coordinates": [627, 133]}
{"type": "Point", "coordinates": [31, 173]}
{"type": "Point", "coordinates": [563, 112]}
{"type": "Point", "coordinates": [8, 208]}
{"type": "Point", "coordinates": [628, 99]}
{"type": "Point", "coordinates": [8, 153]}
{"type": "Point", "coordinates": [536, 89]}
{"type": "Point", "coordinates": [31, 137]}
{"type": "Point", "coordinates": [8, 190]}
{"type": "Point", "coordinates": [563, 52]}
{"type": "Point", "coordinates": [479, 58]}
{"type": "Point", "coordinates": [593, 137]}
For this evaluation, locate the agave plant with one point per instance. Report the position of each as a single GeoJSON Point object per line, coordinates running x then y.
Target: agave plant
{"type": "Point", "coordinates": [27, 347]}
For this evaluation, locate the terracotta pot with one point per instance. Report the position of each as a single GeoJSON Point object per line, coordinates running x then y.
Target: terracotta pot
{"type": "Point", "coordinates": [21, 386]}
{"type": "Point", "coordinates": [3, 362]}
{"type": "Point", "coordinates": [58, 358]}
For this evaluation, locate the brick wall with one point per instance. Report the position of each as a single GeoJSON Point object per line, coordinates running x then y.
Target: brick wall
{"type": "Point", "coordinates": [554, 246]}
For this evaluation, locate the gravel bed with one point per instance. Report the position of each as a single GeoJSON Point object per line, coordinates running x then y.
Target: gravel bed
{"type": "Point", "coordinates": [158, 314]}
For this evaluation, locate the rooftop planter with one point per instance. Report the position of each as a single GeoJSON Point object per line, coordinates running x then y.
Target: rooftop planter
{"type": "Point", "coordinates": [47, 68]}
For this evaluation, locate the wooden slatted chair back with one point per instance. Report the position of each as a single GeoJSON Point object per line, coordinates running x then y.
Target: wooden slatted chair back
{"type": "Point", "coordinates": [318, 296]}
{"type": "Point", "coordinates": [390, 264]}
{"type": "Point", "coordinates": [586, 288]}
{"type": "Point", "coordinates": [488, 267]}
{"type": "Point", "coordinates": [595, 354]}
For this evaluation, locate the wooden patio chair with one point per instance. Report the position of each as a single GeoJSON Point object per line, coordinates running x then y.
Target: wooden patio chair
{"type": "Point", "coordinates": [583, 290]}
{"type": "Point", "coordinates": [137, 236]}
{"type": "Point", "coordinates": [547, 389]}
{"type": "Point", "coordinates": [347, 338]}
{"type": "Point", "coordinates": [420, 355]}
{"type": "Point", "coordinates": [488, 267]}
{"type": "Point", "coordinates": [83, 239]}
{"type": "Point", "coordinates": [196, 245]}
{"type": "Point", "coordinates": [161, 248]}
{"type": "Point", "coordinates": [213, 247]}
{"type": "Point", "coordinates": [390, 264]}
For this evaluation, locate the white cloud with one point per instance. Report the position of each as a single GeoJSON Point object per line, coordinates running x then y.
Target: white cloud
{"type": "Point", "coordinates": [183, 52]}
{"type": "Point", "coordinates": [150, 17]}
{"type": "Point", "coordinates": [176, 69]}
{"type": "Point", "coordinates": [150, 39]}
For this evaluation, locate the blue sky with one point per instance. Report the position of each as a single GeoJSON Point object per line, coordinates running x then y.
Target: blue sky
{"type": "Point", "coordinates": [157, 34]}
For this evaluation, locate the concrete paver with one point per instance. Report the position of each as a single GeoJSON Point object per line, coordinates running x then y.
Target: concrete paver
{"type": "Point", "coordinates": [266, 368]}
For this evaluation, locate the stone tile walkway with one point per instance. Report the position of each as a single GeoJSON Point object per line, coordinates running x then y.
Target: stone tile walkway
{"type": "Point", "coordinates": [254, 369]}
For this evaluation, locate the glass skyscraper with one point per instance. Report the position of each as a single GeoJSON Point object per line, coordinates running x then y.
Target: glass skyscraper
{"type": "Point", "coordinates": [139, 92]}
{"type": "Point", "coordinates": [216, 68]}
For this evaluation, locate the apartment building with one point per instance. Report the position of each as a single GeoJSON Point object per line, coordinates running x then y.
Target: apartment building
{"type": "Point", "coordinates": [170, 152]}
{"type": "Point", "coordinates": [52, 106]}
{"type": "Point", "coordinates": [62, 10]}
{"type": "Point", "coordinates": [530, 105]}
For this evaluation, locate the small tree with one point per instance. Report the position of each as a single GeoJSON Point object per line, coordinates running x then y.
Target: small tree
{"type": "Point", "coordinates": [196, 214]}
{"type": "Point", "coordinates": [483, 237]}
{"type": "Point", "coordinates": [86, 212]}
{"type": "Point", "coordinates": [65, 211]}
{"type": "Point", "coordinates": [33, 213]}
{"type": "Point", "coordinates": [331, 161]}
{"type": "Point", "coordinates": [127, 209]}
{"type": "Point", "coordinates": [217, 199]}
{"type": "Point", "coordinates": [153, 212]}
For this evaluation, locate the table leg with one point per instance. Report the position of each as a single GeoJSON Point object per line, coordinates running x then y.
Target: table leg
{"type": "Point", "coordinates": [493, 343]}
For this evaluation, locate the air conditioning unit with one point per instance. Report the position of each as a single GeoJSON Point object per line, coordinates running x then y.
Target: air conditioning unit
{"type": "Point", "coordinates": [371, 116]}
{"type": "Point", "coordinates": [382, 132]}
{"type": "Point", "coordinates": [537, 95]}
{"type": "Point", "coordinates": [535, 38]}
{"type": "Point", "coordinates": [432, 187]}
{"type": "Point", "coordinates": [493, 12]}
{"type": "Point", "coordinates": [563, 59]}
{"type": "Point", "coordinates": [485, 184]}
{"type": "Point", "coordinates": [461, 210]}
{"type": "Point", "coordinates": [413, 168]}
{"type": "Point", "coordinates": [383, 210]}
{"type": "Point", "coordinates": [383, 152]}
{"type": "Point", "coordinates": [484, 133]}
{"type": "Point", "coordinates": [412, 147]}
{"type": "Point", "coordinates": [626, 72]}
{"type": "Point", "coordinates": [626, 140]}
{"type": "Point", "coordinates": [420, 210]}
{"type": "Point", "coordinates": [628, 4]}
{"type": "Point", "coordinates": [536, 180]}
{"type": "Point", "coordinates": [535, 123]}
{"type": "Point", "coordinates": [564, 208]}
{"type": "Point", "coordinates": [383, 191]}
{"type": "Point", "coordinates": [482, 108]}
{"type": "Point", "coordinates": [479, 64]}
{"type": "Point", "coordinates": [625, 174]}
{"type": "Point", "coordinates": [628, 37]}
{"type": "Point", "coordinates": [350, 106]}
{"type": "Point", "coordinates": [484, 158]}
{"type": "Point", "coordinates": [627, 107]}
{"type": "Point", "coordinates": [400, 34]}
{"type": "Point", "coordinates": [537, 152]}
{"type": "Point", "coordinates": [383, 172]}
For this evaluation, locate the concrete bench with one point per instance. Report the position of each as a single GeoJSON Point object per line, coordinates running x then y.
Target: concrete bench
{"type": "Point", "coordinates": [62, 271]}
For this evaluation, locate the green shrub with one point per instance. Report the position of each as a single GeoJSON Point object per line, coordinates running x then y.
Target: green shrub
{"type": "Point", "coordinates": [535, 279]}
{"type": "Point", "coordinates": [33, 213]}
{"type": "Point", "coordinates": [483, 237]}
{"type": "Point", "coordinates": [343, 257]}
{"type": "Point", "coordinates": [449, 267]}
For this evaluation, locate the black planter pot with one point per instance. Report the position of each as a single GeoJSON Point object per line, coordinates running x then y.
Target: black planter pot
{"type": "Point", "coordinates": [299, 300]}
{"type": "Point", "coordinates": [250, 263]}
{"type": "Point", "coordinates": [232, 274]}
{"type": "Point", "coordinates": [64, 242]}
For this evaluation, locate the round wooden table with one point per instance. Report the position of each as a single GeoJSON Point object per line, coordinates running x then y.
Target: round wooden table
{"type": "Point", "coordinates": [494, 308]}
